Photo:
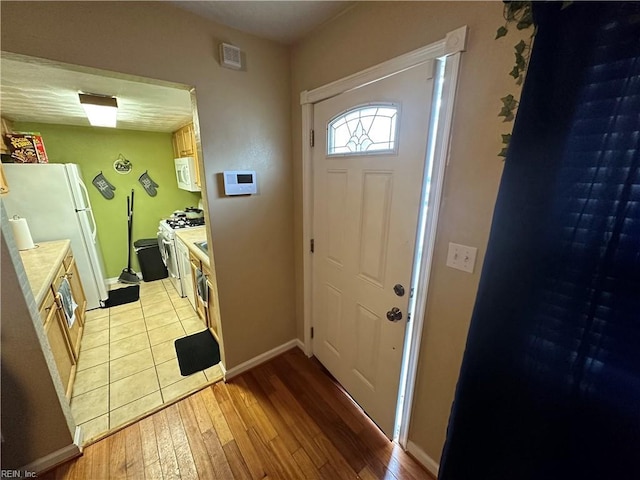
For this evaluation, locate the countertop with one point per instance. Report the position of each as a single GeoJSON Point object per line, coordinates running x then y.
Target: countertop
{"type": "Point", "coordinates": [42, 263]}
{"type": "Point", "coordinates": [190, 235]}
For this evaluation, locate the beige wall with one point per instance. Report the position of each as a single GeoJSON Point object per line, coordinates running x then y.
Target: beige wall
{"type": "Point", "coordinates": [244, 123]}
{"type": "Point", "coordinates": [373, 32]}
{"type": "Point", "coordinates": [33, 422]}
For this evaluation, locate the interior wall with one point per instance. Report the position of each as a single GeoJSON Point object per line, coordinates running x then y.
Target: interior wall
{"type": "Point", "coordinates": [95, 150]}
{"type": "Point", "coordinates": [33, 422]}
{"type": "Point", "coordinates": [244, 124]}
{"type": "Point", "coordinates": [370, 33]}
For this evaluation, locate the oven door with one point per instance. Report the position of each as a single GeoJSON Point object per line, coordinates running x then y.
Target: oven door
{"type": "Point", "coordinates": [170, 260]}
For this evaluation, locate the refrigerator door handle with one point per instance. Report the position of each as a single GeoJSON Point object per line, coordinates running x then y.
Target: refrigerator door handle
{"type": "Point", "coordinates": [94, 227]}
{"type": "Point", "coordinates": [85, 197]}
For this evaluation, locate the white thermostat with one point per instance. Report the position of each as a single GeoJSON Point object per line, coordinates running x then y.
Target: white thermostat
{"type": "Point", "coordinates": [240, 182]}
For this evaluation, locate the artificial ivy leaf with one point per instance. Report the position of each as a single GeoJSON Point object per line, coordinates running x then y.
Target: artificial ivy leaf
{"type": "Point", "coordinates": [524, 24]}
{"type": "Point", "coordinates": [506, 138]}
{"type": "Point", "coordinates": [515, 73]}
{"type": "Point", "coordinates": [520, 80]}
{"type": "Point", "coordinates": [509, 102]}
{"type": "Point", "coordinates": [520, 46]}
{"type": "Point", "coordinates": [502, 31]}
{"type": "Point", "coordinates": [520, 61]}
{"type": "Point", "coordinates": [503, 152]}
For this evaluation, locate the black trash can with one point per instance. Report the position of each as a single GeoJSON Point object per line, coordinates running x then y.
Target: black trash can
{"type": "Point", "coordinates": [151, 264]}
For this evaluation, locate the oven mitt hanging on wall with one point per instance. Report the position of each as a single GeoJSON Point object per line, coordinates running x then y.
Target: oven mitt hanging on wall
{"type": "Point", "coordinates": [148, 184]}
{"type": "Point", "coordinates": [103, 185]}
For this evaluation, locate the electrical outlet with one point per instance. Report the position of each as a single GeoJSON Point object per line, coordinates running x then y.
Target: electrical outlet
{"type": "Point", "coordinates": [461, 257]}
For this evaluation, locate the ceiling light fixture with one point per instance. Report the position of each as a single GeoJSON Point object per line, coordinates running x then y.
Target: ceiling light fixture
{"type": "Point", "coordinates": [101, 110]}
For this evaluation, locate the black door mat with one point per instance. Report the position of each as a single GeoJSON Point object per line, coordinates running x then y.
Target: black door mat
{"type": "Point", "coordinates": [197, 352]}
{"type": "Point", "coordinates": [121, 296]}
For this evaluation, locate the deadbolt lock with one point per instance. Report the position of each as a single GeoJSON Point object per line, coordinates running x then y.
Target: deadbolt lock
{"type": "Point", "coordinates": [399, 290]}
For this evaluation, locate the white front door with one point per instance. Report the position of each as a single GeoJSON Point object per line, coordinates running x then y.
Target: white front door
{"type": "Point", "coordinates": [367, 194]}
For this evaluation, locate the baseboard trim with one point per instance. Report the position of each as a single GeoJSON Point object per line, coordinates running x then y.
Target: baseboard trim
{"type": "Point", "coordinates": [262, 358]}
{"type": "Point", "coordinates": [421, 456]}
{"type": "Point", "coordinates": [53, 459]}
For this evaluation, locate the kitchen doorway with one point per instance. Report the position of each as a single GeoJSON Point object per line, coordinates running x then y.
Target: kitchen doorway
{"type": "Point", "coordinates": [126, 367]}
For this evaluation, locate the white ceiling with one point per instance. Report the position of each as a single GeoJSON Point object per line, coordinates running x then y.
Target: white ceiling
{"type": "Point", "coordinates": [42, 93]}
{"type": "Point", "coordinates": [284, 22]}
{"type": "Point", "coordinates": [48, 93]}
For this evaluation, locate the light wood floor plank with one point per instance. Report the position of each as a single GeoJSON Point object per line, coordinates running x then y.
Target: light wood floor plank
{"type": "Point", "coordinates": [135, 460]}
{"type": "Point", "coordinates": [283, 420]}
{"type": "Point", "coordinates": [217, 455]}
{"type": "Point", "coordinates": [239, 431]}
{"type": "Point", "coordinates": [186, 464]}
{"type": "Point", "coordinates": [149, 444]}
{"type": "Point", "coordinates": [282, 429]}
{"type": "Point", "coordinates": [203, 419]}
{"type": "Point", "coordinates": [305, 463]}
{"type": "Point", "coordinates": [198, 449]}
{"type": "Point", "coordinates": [236, 461]}
{"type": "Point", "coordinates": [168, 460]}
{"type": "Point", "coordinates": [100, 459]}
{"type": "Point", "coordinates": [118, 456]}
{"type": "Point", "coordinates": [219, 422]}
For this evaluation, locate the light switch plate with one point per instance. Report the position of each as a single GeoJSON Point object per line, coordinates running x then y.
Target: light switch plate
{"type": "Point", "coordinates": [461, 257]}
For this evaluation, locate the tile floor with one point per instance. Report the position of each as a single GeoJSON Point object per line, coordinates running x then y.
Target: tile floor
{"type": "Point", "coordinates": [128, 365]}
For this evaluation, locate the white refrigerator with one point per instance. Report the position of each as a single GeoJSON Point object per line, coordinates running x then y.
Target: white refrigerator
{"type": "Point", "coordinates": [55, 202]}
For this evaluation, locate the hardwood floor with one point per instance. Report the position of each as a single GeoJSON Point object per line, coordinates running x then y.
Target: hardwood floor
{"type": "Point", "coordinates": [285, 419]}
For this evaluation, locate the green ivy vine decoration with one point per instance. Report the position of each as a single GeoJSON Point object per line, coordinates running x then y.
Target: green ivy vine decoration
{"type": "Point", "coordinates": [520, 14]}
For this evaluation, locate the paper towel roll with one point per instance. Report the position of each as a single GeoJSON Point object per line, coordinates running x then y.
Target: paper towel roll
{"type": "Point", "coordinates": [21, 233]}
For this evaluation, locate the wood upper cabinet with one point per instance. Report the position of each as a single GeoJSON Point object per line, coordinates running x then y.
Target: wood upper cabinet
{"type": "Point", "coordinates": [6, 128]}
{"type": "Point", "coordinates": [184, 145]}
{"type": "Point", "coordinates": [4, 185]}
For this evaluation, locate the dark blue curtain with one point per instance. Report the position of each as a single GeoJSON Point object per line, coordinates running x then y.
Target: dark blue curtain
{"type": "Point", "coordinates": [550, 382]}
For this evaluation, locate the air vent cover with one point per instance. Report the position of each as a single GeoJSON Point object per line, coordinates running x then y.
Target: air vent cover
{"type": "Point", "coordinates": [230, 56]}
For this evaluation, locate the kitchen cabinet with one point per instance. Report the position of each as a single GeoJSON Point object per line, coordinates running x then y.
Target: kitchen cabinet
{"type": "Point", "coordinates": [47, 267]}
{"type": "Point", "coordinates": [207, 310]}
{"type": "Point", "coordinates": [212, 306]}
{"type": "Point", "coordinates": [196, 266]}
{"type": "Point", "coordinates": [184, 145]}
{"type": "Point", "coordinates": [6, 128]}
{"type": "Point", "coordinates": [4, 185]}
{"type": "Point", "coordinates": [56, 332]}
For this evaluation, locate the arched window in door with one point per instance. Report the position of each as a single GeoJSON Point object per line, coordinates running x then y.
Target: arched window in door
{"type": "Point", "coordinates": [366, 129]}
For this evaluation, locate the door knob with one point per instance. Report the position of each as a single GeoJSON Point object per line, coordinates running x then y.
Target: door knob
{"type": "Point", "coordinates": [394, 314]}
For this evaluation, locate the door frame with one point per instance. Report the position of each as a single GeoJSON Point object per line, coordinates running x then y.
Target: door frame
{"type": "Point", "coordinates": [448, 51]}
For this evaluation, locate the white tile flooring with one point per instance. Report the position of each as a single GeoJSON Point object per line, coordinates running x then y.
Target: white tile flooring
{"type": "Point", "coordinates": [128, 365]}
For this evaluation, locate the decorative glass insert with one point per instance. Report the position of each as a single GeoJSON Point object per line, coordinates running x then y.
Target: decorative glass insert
{"type": "Point", "coordinates": [363, 130]}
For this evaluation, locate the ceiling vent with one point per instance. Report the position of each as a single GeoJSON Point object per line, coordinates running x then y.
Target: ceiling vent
{"type": "Point", "coordinates": [230, 56]}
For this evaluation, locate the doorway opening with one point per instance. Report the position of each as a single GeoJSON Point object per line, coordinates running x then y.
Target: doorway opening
{"type": "Point", "coordinates": [122, 364]}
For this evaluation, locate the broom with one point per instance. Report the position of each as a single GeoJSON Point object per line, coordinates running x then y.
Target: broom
{"type": "Point", "coordinates": [128, 275]}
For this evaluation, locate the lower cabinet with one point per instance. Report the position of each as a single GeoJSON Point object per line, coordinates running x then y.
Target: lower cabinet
{"type": "Point", "coordinates": [55, 327]}
{"type": "Point", "coordinates": [64, 339]}
{"type": "Point", "coordinates": [207, 310]}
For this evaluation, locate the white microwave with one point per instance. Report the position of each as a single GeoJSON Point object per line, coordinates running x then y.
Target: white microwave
{"type": "Point", "coordinates": [186, 174]}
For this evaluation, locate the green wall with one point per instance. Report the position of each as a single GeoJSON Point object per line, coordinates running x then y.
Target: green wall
{"type": "Point", "coordinates": [95, 149]}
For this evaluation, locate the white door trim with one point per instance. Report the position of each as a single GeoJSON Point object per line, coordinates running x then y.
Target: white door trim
{"type": "Point", "coordinates": [448, 49]}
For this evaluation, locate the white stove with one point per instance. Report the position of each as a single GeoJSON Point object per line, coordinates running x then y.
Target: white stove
{"type": "Point", "coordinates": [169, 249]}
